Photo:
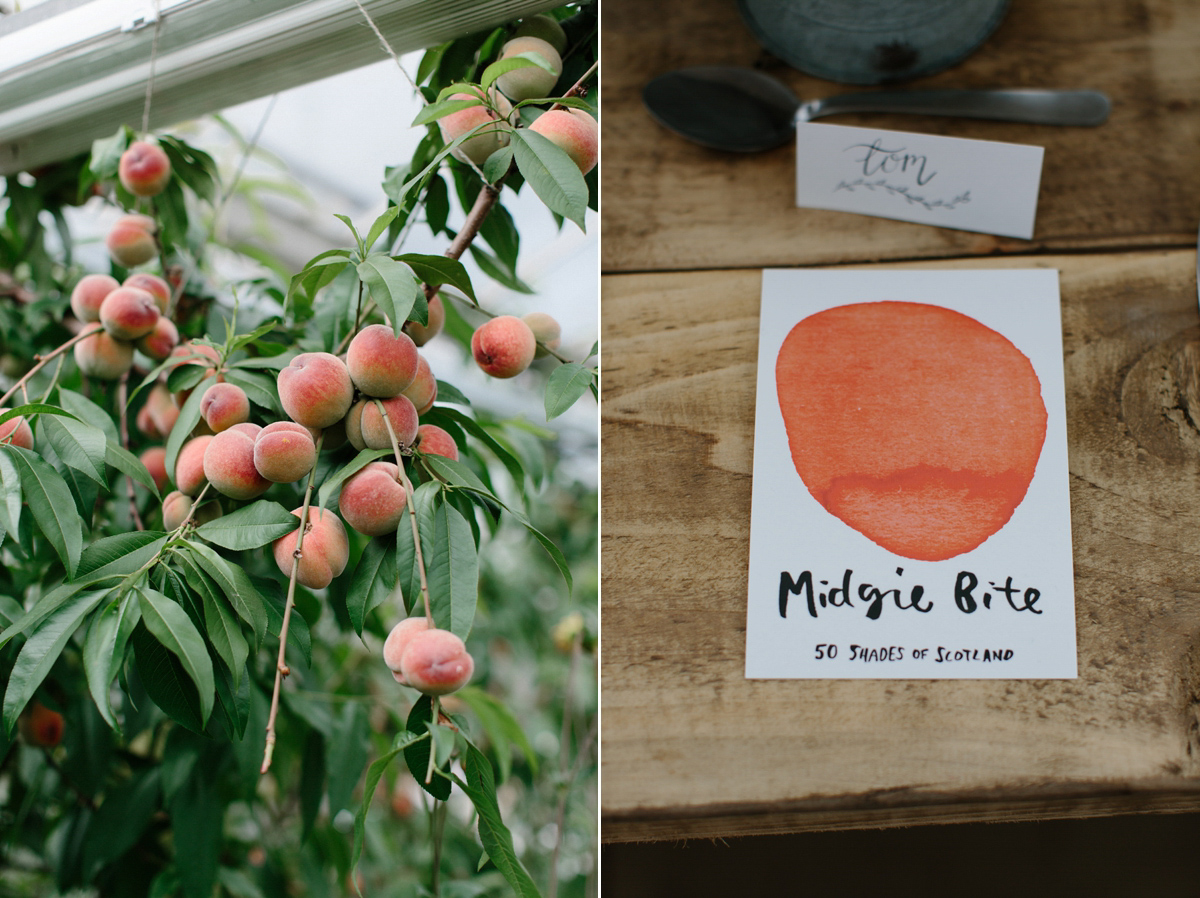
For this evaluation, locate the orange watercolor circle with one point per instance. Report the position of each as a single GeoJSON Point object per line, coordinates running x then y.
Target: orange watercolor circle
{"type": "Point", "coordinates": [915, 425]}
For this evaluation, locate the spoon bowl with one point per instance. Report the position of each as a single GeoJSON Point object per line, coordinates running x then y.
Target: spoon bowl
{"type": "Point", "coordinates": [742, 110]}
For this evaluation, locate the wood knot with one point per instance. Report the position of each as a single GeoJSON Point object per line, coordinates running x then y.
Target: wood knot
{"type": "Point", "coordinates": [1160, 399]}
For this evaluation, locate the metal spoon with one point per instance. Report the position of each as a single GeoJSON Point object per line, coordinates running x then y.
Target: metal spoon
{"type": "Point", "coordinates": [744, 110]}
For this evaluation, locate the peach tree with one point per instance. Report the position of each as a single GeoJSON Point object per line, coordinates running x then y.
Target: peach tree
{"type": "Point", "coordinates": [235, 516]}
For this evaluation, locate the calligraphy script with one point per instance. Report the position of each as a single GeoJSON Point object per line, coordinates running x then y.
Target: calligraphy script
{"type": "Point", "coordinates": [878, 159]}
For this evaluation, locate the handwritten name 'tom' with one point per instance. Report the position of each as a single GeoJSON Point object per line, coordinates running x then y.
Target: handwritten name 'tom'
{"type": "Point", "coordinates": [878, 158]}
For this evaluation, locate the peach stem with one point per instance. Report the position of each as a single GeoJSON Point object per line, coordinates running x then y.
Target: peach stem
{"type": "Point", "coordinates": [43, 359]}
{"type": "Point", "coordinates": [281, 668]}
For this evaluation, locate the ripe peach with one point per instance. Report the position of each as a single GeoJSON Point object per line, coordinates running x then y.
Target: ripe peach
{"type": "Point", "coordinates": [161, 340]}
{"type": "Point", "coordinates": [129, 313]}
{"type": "Point", "coordinates": [189, 465]}
{"type": "Point", "coordinates": [353, 425]}
{"type": "Point", "coordinates": [159, 413]}
{"type": "Point", "coordinates": [144, 169]}
{"type": "Point", "coordinates": [155, 460]}
{"type": "Point", "coordinates": [40, 726]}
{"type": "Point", "coordinates": [487, 141]}
{"type": "Point", "coordinates": [284, 452]}
{"type": "Point", "coordinates": [16, 431]}
{"type": "Point", "coordinates": [545, 27]}
{"type": "Point", "coordinates": [397, 642]}
{"type": "Point", "coordinates": [546, 331]}
{"type": "Point", "coordinates": [89, 293]}
{"type": "Point", "coordinates": [381, 363]}
{"type": "Point", "coordinates": [224, 405]}
{"type": "Point", "coordinates": [435, 662]}
{"type": "Point", "coordinates": [130, 243]}
{"type": "Point", "coordinates": [423, 333]}
{"type": "Point", "coordinates": [325, 549]}
{"type": "Point", "coordinates": [503, 346]}
{"type": "Point", "coordinates": [229, 464]}
{"type": "Point", "coordinates": [575, 132]}
{"type": "Point", "coordinates": [316, 390]}
{"type": "Point", "coordinates": [177, 507]}
{"type": "Point", "coordinates": [152, 284]}
{"type": "Point", "coordinates": [403, 415]}
{"type": "Point", "coordinates": [423, 390]}
{"type": "Point", "coordinates": [432, 440]}
{"type": "Point", "coordinates": [532, 81]}
{"type": "Point", "coordinates": [103, 357]}
{"type": "Point", "coordinates": [372, 501]}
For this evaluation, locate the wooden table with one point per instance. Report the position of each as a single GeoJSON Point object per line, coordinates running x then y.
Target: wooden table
{"type": "Point", "coordinates": [690, 747]}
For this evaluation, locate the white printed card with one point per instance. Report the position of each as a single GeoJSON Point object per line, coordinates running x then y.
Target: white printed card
{"type": "Point", "coordinates": [972, 185]}
{"type": "Point", "coordinates": [911, 515]}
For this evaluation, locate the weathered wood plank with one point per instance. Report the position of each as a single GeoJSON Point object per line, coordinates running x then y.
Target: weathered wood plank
{"type": "Point", "coordinates": [691, 747]}
{"type": "Point", "coordinates": [671, 205]}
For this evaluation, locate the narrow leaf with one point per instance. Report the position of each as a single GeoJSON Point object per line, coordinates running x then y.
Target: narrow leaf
{"type": "Point", "coordinates": [172, 627]}
{"type": "Point", "coordinates": [393, 286]}
{"type": "Point", "coordinates": [438, 270]}
{"type": "Point", "coordinates": [41, 650]}
{"type": "Point", "coordinates": [566, 384]}
{"type": "Point", "coordinates": [453, 571]}
{"type": "Point", "coordinates": [373, 581]}
{"type": "Point", "coordinates": [250, 527]}
{"type": "Point", "coordinates": [128, 463]}
{"type": "Point", "coordinates": [552, 175]}
{"type": "Point", "coordinates": [79, 445]}
{"type": "Point", "coordinates": [374, 775]}
{"type": "Point", "coordinates": [50, 500]}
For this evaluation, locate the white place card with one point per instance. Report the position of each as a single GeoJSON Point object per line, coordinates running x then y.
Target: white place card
{"type": "Point", "coordinates": [911, 515]}
{"type": "Point", "coordinates": [951, 182]}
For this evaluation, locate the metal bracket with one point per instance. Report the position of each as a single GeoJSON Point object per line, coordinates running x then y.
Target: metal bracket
{"type": "Point", "coordinates": [139, 19]}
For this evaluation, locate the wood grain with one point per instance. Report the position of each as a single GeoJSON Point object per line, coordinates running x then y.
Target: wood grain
{"type": "Point", "coordinates": [1134, 182]}
{"type": "Point", "coordinates": [690, 747]}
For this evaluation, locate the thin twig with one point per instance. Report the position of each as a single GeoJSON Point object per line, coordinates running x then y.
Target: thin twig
{"type": "Point", "coordinates": [281, 668]}
{"type": "Point", "coordinates": [153, 60]}
{"type": "Point", "coordinates": [41, 360]}
{"type": "Point", "coordinates": [247, 152]}
{"type": "Point", "coordinates": [122, 400]}
{"type": "Point", "coordinates": [577, 87]}
{"type": "Point", "coordinates": [412, 515]}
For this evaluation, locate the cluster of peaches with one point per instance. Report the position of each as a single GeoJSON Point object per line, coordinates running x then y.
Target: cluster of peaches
{"type": "Point", "coordinates": [572, 130]}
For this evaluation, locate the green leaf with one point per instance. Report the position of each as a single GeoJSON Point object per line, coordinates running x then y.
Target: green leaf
{"type": "Point", "coordinates": [502, 728]}
{"type": "Point", "coordinates": [566, 384]}
{"type": "Point", "coordinates": [331, 484]}
{"type": "Point", "coordinates": [119, 823]}
{"type": "Point", "coordinates": [238, 884]}
{"type": "Point", "coordinates": [496, 270]}
{"type": "Point", "coordinates": [455, 473]}
{"type": "Point", "coordinates": [312, 781]}
{"type": "Point", "coordinates": [106, 154]}
{"type": "Point", "coordinates": [42, 649]}
{"type": "Point", "coordinates": [88, 412]}
{"type": "Point", "coordinates": [10, 495]}
{"type": "Point", "coordinates": [443, 108]}
{"type": "Point", "coordinates": [250, 527]}
{"type": "Point", "coordinates": [374, 775]}
{"type": "Point", "coordinates": [197, 813]}
{"type": "Point", "coordinates": [555, 553]}
{"type": "Point", "coordinates": [225, 634]}
{"type": "Point", "coordinates": [480, 787]}
{"type": "Point", "coordinates": [104, 651]}
{"type": "Point", "coordinates": [259, 388]}
{"type": "Point", "coordinates": [453, 571]}
{"type": "Point", "coordinates": [79, 445]}
{"type": "Point", "coordinates": [511, 64]}
{"type": "Point", "coordinates": [475, 429]}
{"type": "Point", "coordinates": [393, 286]}
{"type": "Point", "coordinates": [172, 627]}
{"type": "Point", "coordinates": [496, 165]}
{"type": "Point", "coordinates": [50, 500]}
{"type": "Point", "coordinates": [381, 224]}
{"type": "Point", "coordinates": [447, 392]}
{"type": "Point", "coordinates": [247, 601]}
{"type": "Point", "coordinates": [33, 408]}
{"type": "Point", "coordinates": [347, 754]}
{"type": "Point", "coordinates": [165, 680]}
{"type": "Point", "coordinates": [353, 230]}
{"type": "Point", "coordinates": [551, 173]}
{"type": "Point", "coordinates": [128, 463]}
{"type": "Point", "coordinates": [119, 555]}
{"type": "Point", "coordinates": [408, 576]}
{"type": "Point", "coordinates": [416, 753]}
{"type": "Point", "coordinates": [438, 270]}
{"type": "Point", "coordinates": [373, 581]}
